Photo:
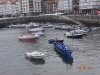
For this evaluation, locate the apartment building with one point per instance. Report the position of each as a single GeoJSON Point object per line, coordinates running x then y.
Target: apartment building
{"type": "Point", "coordinates": [89, 6]}
{"type": "Point", "coordinates": [48, 6]}
{"type": "Point", "coordinates": [25, 6]}
{"type": "Point", "coordinates": [55, 6]}
{"type": "Point", "coordinates": [32, 7]}
{"type": "Point", "coordinates": [75, 6]}
{"type": "Point", "coordinates": [65, 6]}
{"type": "Point", "coordinates": [10, 7]}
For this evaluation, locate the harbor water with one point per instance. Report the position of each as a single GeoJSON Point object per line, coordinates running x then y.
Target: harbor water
{"type": "Point", "coordinates": [86, 54]}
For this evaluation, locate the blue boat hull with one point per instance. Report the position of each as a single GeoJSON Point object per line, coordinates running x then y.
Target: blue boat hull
{"type": "Point", "coordinates": [67, 54]}
{"type": "Point", "coordinates": [66, 60]}
{"type": "Point", "coordinates": [51, 41]}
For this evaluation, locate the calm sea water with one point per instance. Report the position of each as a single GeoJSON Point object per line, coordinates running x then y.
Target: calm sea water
{"type": "Point", "coordinates": [86, 54]}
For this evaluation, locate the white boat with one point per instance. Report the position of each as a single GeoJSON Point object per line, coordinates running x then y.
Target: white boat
{"type": "Point", "coordinates": [47, 26]}
{"type": "Point", "coordinates": [95, 28]}
{"type": "Point", "coordinates": [36, 30]}
{"type": "Point", "coordinates": [35, 34]}
{"type": "Point", "coordinates": [34, 55]}
{"type": "Point", "coordinates": [17, 26]}
{"type": "Point", "coordinates": [58, 27]}
{"type": "Point", "coordinates": [40, 33]}
{"type": "Point", "coordinates": [84, 32]}
{"type": "Point", "coordinates": [32, 25]}
{"type": "Point", "coordinates": [63, 28]}
{"type": "Point", "coordinates": [73, 34]}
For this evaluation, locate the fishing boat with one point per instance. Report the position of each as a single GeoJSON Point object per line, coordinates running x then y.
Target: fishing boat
{"type": "Point", "coordinates": [34, 55]}
{"type": "Point", "coordinates": [63, 49]}
{"type": "Point", "coordinates": [27, 38]}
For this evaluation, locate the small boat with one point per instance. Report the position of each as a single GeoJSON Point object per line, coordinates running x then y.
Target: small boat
{"type": "Point", "coordinates": [63, 28]}
{"type": "Point", "coordinates": [47, 26]}
{"type": "Point", "coordinates": [36, 30]}
{"type": "Point", "coordinates": [73, 34]}
{"type": "Point", "coordinates": [60, 25]}
{"type": "Point", "coordinates": [40, 33]}
{"type": "Point", "coordinates": [84, 32]}
{"type": "Point", "coordinates": [17, 26]}
{"type": "Point", "coordinates": [27, 38]}
{"type": "Point", "coordinates": [63, 49]}
{"type": "Point", "coordinates": [32, 25]}
{"type": "Point", "coordinates": [94, 28]}
{"type": "Point", "coordinates": [34, 55]}
{"type": "Point", "coordinates": [51, 41]}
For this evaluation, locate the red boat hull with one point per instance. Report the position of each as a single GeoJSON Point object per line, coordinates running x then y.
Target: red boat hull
{"type": "Point", "coordinates": [27, 39]}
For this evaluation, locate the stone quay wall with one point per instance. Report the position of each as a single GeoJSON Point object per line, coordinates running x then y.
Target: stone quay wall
{"type": "Point", "coordinates": [7, 21]}
{"type": "Point", "coordinates": [87, 19]}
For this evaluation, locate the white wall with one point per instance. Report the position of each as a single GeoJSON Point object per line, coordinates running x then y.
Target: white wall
{"type": "Point", "coordinates": [9, 8]}
{"type": "Point", "coordinates": [63, 5]}
{"type": "Point", "coordinates": [37, 5]}
{"type": "Point", "coordinates": [89, 4]}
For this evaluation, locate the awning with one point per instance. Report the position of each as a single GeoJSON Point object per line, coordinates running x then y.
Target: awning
{"type": "Point", "coordinates": [97, 12]}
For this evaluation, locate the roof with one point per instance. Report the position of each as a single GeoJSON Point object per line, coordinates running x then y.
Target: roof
{"type": "Point", "coordinates": [11, 1]}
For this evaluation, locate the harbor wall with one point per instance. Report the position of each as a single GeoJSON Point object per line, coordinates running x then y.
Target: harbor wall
{"type": "Point", "coordinates": [7, 21]}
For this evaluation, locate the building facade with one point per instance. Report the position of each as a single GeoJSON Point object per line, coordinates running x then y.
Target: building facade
{"type": "Point", "coordinates": [75, 6]}
{"type": "Point", "coordinates": [32, 7]}
{"type": "Point", "coordinates": [89, 6]}
{"type": "Point", "coordinates": [10, 8]}
{"type": "Point", "coordinates": [65, 6]}
{"type": "Point", "coordinates": [48, 6]}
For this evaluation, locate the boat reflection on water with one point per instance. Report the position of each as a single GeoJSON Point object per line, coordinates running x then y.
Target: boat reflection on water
{"type": "Point", "coordinates": [66, 60]}
{"type": "Point", "coordinates": [38, 62]}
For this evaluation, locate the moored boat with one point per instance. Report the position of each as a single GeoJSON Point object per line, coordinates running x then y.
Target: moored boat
{"type": "Point", "coordinates": [73, 34]}
{"type": "Point", "coordinates": [17, 26]}
{"type": "Point", "coordinates": [51, 41]}
{"type": "Point", "coordinates": [34, 55]}
{"type": "Point", "coordinates": [63, 49]}
{"type": "Point", "coordinates": [36, 30]}
{"type": "Point", "coordinates": [27, 38]}
{"type": "Point", "coordinates": [57, 27]}
{"type": "Point", "coordinates": [48, 25]}
{"type": "Point", "coordinates": [40, 33]}
{"type": "Point", "coordinates": [63, 28]}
